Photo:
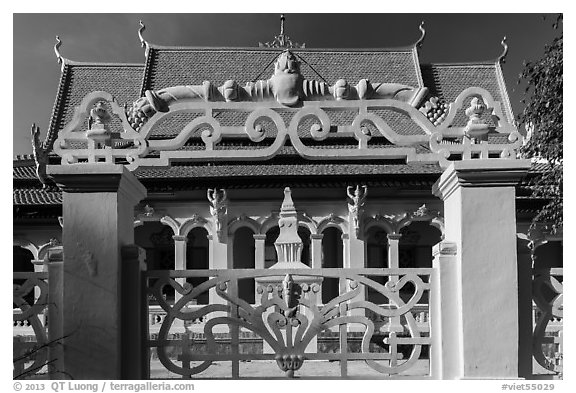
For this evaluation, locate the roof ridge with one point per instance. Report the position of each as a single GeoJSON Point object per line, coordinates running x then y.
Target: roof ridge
{"type": "Point", "coordinates": [407, 48]}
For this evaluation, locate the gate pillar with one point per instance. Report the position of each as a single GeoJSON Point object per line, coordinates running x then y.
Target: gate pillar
{"type": "Point", "coordinates": [480, 219]}
{"type": "Point", "coordinates": [98, 212]}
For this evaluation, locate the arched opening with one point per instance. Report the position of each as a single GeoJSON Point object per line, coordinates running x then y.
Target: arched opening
{"type": "Point", "coordinates": [156, 239]}
{"type": "Point", "coordinates": [197, 258]}
{"type": "Point", "coordinates": [22, 262]}
{"type": "Point", "coordinates": [243, 258]}
{"type": "Point", "coordinates": [332, 257]}
{"type": "Point", "coordinates": [376, 257]}
{"type": "Point", "coordinates": [270, 256]}
{"type": "Point", "coordinates": [415, 251]}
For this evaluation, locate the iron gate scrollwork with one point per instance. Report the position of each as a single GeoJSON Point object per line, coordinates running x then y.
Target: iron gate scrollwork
{"type": "Point", "coordinates": [288, 317]}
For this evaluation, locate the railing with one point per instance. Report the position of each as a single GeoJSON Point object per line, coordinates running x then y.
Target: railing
{"type": "Point", "coordinates": [548, 295]}
{"type": "Point", "coordinates": [289, 321]}
{"type": "Point", "coordinates": [30, 335]}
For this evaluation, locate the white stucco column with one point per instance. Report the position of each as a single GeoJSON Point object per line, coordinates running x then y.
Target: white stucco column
{"type": "Point", "coordinates": [316, 240]}
{"type": "Point", "coordinates": [394, 263]}
{"type": "Point", "coordinates": [220, 257]}
{"type": "Point", "coordinates": [98, 210]}
{"type": "Point", "coordinates": [480, 218]}
{"type": "Point", "coordinates": [354, 258]}
{"type": "Point", "coordinates": [180, 243]}
{"type": "Point", "coordinates": [444, 329]}
{"type": "Point", "coordinates": [54, 265]}
{"type": "Point", "coordinates": [259, 247]}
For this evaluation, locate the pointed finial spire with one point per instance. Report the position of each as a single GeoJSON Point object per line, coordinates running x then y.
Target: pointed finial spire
{"type": "Point", "coordinates": [502, 58]}
{"type": "Point", "coordinates": [423, 34]}
{"type": "Point", "coordinates": [281, 40]}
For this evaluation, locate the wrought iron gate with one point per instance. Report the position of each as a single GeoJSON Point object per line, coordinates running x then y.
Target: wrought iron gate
{"type": "Point", "coordinates": [373, 340]}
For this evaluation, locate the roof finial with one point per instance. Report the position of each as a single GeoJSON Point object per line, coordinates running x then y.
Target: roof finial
{"type": "Point", "coordinates": [281, 40]}
{"type": "Point", "coordinates": [57, 50]}
{"type": "Point", "coordinates": [143, 42]}
{"type": "Point", "coordinates": [140, 31]}
{"type": "Point", "coordinates": [502, 58]}
{"type": "Point", "coordinates": [421, 39]}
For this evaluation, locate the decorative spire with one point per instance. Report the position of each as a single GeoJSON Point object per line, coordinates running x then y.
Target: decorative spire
{"type": "Point", "coordinates": [281, 40]}
{"type": "Point", "coordinates": [57, 51]}
{"type": "Point", "coordinates": [502, 58]}
{"type": "Point", "coordinates": [421, 39]}
{"type": "Point", "coordinates": [288, 245]}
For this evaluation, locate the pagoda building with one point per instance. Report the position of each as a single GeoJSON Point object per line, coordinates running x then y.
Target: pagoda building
{"type": "Point", "coordinates": [225, 149]}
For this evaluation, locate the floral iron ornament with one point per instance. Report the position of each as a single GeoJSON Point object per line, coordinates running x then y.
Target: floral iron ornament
{"type": "Point", "coordinates": [287, 316]}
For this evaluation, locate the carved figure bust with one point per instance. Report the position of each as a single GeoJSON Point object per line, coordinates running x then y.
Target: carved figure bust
{"type": "Point", "coordinates": [286, 82]}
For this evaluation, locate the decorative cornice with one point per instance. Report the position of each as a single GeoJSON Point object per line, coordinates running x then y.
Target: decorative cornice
{"type": "Point", "coordinates": [445, 248]}
{"type": "Point", "coordinates": [480, 173]}
{"type": "Point", "coordinates": [90, 178]}
{"type": "Point", "coordinates": [180, 238]}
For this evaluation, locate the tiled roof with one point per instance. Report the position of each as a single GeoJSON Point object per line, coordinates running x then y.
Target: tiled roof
{"type": "Point", "coordinates": [27, 190]}
{"type": "Point", "coordinates": [24, 172]}
{"type": "Point", "coordinates": [447, 81]}
{"type": "Point", "coordinates": [36, 196]}
{"type": "Point", "coordinates": [194, 171]}
{"type": "Point", "coordinates": [123, 81]}
{"type": "Point", "coordinates": [189, 66]}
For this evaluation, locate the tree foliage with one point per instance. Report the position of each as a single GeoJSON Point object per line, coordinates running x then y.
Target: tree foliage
{"type": "Point", "coordinates": [542, 117]}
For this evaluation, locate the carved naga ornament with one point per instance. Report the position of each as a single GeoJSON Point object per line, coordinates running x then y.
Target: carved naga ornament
{"type": "Point", "coordinates": [218, 208]}
{"type": "Point", "coordinates": [286, 86]}
{"type": "Point", "coordinates": [356, 205]}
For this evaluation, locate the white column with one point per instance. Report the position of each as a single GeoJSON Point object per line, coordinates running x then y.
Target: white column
{"type": "Point", "coordinates": [444, 330]}
{"type": "Point", "coordinates": [180, 243]}
{"type": "Point", "coordinates": [394, 263]}
{"type": "Point", "coordinates": [354, 258]}
{"type": "Point", "coordinates": [98, 209]}
{"type": "Point", "coordinates": [480, 218]}
{"type": "Point", "coordinates": [259, 246]}
{"type": "Point", "coordinates": [316, 240]}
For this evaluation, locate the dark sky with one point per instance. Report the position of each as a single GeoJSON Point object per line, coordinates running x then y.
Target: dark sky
{"type": "Point", "coordinates": [114, 38]}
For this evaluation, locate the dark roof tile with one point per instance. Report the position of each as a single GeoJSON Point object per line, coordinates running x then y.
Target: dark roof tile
{"type": "Point", "coordinates": [447, 81]}
{"type": "Point", "coordinates": [35, 196]}
{"type": "Point", "coordinates": [123, 81]}
{"type": "Point", "coordinates": [189, 66]}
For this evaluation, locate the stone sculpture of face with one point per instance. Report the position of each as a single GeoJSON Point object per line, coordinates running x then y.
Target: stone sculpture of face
{"type": "Point", "coordinates": [287, 63]}
{"type": "Point", "coordinates": [287, 80]}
